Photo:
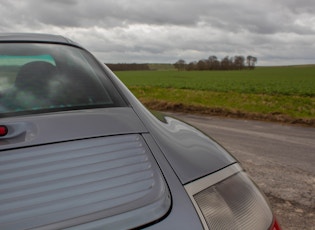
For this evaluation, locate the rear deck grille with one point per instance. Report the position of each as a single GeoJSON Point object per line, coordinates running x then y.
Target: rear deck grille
{"type": "Point", "coordinates": [57, 185]}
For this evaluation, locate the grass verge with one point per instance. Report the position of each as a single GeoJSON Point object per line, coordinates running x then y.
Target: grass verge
{"type": "Point", "coordinates": [285, 94]}
{"type": "Point", "coordinates": [279, 108]}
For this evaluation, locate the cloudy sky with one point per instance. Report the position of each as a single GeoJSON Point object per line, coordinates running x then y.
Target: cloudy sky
{"type": "Point", "coordinates": [277, 32]}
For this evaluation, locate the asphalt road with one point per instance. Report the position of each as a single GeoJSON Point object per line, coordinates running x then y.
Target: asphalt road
{"type": "Point", "coordinates": [279, 158]}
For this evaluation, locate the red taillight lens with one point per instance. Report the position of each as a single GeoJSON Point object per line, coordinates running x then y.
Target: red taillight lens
{"type": "Point", "coordinates": [275, 226]}
{"type": "Point", "coordinates": [3, 130]}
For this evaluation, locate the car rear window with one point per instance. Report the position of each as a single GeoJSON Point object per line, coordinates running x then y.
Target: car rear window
{"type": "Point", "coordinates": [40, 78]}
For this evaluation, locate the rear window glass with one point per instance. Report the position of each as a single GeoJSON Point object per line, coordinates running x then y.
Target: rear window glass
{"type": "Point", "coordinates": [37, 78]}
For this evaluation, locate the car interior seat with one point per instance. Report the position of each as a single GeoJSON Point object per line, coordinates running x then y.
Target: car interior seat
{"type": "Point", "coordinates": [34, 77]}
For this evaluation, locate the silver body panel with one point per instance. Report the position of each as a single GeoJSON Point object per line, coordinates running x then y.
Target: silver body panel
{"type": "Point", "coordinates": [70, 125]}
{"type": "Point", "coordinates": [104, 168]}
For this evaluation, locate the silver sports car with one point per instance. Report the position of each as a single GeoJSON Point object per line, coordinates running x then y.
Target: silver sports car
{"type": "Point", "coordinates": [79, 151]}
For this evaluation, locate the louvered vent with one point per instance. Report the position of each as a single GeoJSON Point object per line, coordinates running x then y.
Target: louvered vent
{"type": "Point", "coordinates": [73, 183]}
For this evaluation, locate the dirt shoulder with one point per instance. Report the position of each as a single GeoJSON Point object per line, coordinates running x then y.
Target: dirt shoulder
{"type": "Point", "coordinates": [192, 109]}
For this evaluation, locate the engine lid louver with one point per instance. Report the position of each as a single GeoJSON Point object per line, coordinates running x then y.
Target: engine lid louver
{"type": "Point", "coordinates": [101, 180]}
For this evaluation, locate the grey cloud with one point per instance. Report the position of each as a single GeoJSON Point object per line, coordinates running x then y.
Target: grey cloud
{"type": "Point", "coordinates": [298, 7]}
{"type": "Point", "coordinates": [157, 30]}
{"type": "Point", "coordinates": [266, 17]}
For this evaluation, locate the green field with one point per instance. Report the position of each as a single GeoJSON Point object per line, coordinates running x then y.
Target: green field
{"type": "Point", "coordinates": [278, 91]}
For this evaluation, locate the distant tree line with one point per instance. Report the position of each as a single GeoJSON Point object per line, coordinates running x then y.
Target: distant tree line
{"type": "Point", "coordinates": [128, 66]}
{"type": "Point", "coordinates": [213, 63]}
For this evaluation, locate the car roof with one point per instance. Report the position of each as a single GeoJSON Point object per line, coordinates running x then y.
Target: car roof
{"type": "Point", "coordinates": [36, 37]}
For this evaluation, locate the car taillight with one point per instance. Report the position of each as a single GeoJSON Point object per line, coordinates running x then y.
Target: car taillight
{"type": "Point", "coordinates": [228, 199]}
{"type": "Point", "coordinates": [3, 130]}
{"type": "Point", "coordinates": [275, 226]}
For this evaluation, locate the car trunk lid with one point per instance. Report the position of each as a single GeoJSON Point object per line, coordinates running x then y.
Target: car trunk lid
{"type": "Point", "coordinates": [71, 125]}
